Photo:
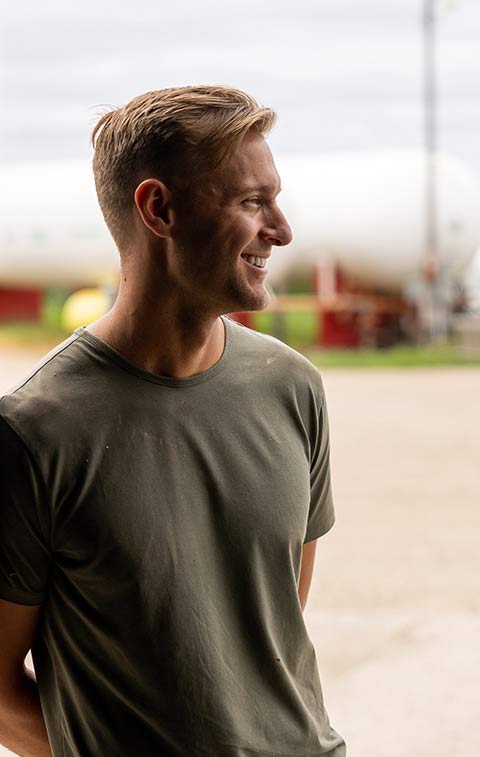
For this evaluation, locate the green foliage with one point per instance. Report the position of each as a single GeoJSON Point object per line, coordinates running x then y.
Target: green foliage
{"type": "Point", "coordinates": [297, 329]}
{"type": "Point", "coordinates": [402, 356]}
{"type": "Point", "coordinates": [52, 304]}
{"type": "Point", "coordinates": [24, 334]}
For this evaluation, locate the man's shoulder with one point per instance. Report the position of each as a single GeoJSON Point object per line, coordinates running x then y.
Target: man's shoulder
{"type": "Point", "coordinates": [37, 398]}
{"type": "Point", "coordinates": [269, 351]}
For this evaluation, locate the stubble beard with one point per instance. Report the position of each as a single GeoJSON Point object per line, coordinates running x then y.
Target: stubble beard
{"type": "Point", "coordinates": [249, 298]}
{"type": "Point", "coordinates": [232, 292]}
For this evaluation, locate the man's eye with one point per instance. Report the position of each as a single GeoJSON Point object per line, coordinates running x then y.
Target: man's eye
{"type": "Point", "coordinates": [254, 200]}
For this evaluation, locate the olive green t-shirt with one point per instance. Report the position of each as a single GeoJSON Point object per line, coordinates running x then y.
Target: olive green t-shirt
{"type": "Point", "coordinates": [160, 522]}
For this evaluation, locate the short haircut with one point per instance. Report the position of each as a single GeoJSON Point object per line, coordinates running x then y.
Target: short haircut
{"type": "Point", "coordinates": [170, 134]}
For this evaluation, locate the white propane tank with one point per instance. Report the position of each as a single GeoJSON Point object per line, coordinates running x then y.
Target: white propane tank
{"type": "Point", "coordinates": [52, 232]}
{"type": "Point", "coordinates": [362, 210]}
{"type": "Point", "coordinates": [366, 212]}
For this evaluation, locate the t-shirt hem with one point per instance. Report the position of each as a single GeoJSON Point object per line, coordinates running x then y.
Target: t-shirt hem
{"type": "Point", "coordinates": [250, 752]}
{"type": "Point", "coordinates": [21, 597]}
{"type": "Point", "coordinates": [321, 531]}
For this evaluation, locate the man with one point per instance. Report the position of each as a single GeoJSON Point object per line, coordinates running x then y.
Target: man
{"type": "Point", "coordinates": [165, 470]}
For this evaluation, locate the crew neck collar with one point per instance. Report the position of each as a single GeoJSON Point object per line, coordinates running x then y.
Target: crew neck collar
{"type": "Point", "coordinates": [157, 378]}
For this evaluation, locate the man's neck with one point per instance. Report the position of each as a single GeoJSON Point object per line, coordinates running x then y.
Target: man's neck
{"type": "Point", "coordinates": [164, 342]}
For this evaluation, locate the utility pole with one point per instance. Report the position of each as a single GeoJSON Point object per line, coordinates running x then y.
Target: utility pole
{"type": "Point", "coordinates": [430, 260]}
{"type": "Point", "coordinates": [434, 304]}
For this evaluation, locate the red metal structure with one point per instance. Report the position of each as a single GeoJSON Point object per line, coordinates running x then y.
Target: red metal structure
{"type": "Point", "coordinates": [20, 304]}
{"type": "Point", "coordinates": [352, 316]}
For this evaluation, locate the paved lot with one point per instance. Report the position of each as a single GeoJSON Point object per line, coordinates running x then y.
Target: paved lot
{"type": "Point", "coordinates": [394, 609]}
{"type": "Point", "coordinates": [395, 604]}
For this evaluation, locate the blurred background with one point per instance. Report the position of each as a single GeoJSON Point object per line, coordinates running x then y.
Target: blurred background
{"type": "Point", "coordinates": [377, 144]}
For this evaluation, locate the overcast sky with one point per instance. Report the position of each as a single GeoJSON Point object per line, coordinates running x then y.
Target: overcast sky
{"type": "Point", "coordinates": [342, 74]}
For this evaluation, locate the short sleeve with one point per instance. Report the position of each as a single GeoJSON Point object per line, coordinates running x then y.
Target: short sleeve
{"type": "Point", "coordinates": [321, 514]}
{"type": "Point", "coordinates": [24, 527]}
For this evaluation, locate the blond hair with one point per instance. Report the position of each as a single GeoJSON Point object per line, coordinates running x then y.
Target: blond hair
{"type": "Point", "coordinates": [170, 134]}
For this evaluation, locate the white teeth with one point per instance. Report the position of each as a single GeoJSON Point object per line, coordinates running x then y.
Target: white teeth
{"type": "Point", "coordinates": [259, 262]}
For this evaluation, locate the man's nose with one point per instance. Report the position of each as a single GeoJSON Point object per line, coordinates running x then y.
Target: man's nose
{"type": "Point", "coordinates": [279, 233]}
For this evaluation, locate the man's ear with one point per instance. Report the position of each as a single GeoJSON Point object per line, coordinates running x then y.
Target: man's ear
{"type": "Point", "coordinates": [153, 202]}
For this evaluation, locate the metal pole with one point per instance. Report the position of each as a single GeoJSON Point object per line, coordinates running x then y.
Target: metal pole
{"type": "Point", "coordinates": [430, 269]}
{"type": "Point", "coordinates": [430, 125]}
{"type": "Point", "coordinates": [435, 304]}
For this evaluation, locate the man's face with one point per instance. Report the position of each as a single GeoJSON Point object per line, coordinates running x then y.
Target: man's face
{"type": "Point", "coordinates": [232, 215]}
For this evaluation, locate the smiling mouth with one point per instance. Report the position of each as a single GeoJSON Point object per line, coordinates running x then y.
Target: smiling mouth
{"type": "Point", "coordinates": [255, 261]}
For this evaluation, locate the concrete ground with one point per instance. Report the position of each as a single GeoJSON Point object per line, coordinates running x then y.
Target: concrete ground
{"type": "Point", "coordinates": [394, 607]}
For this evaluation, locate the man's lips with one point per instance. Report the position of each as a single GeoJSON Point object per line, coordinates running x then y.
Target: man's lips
{"type": "Point", "coordinates": [265, 255]}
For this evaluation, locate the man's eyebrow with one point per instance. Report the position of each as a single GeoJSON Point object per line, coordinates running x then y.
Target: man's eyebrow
{"type": "Point", "coordinates": [245, 190]}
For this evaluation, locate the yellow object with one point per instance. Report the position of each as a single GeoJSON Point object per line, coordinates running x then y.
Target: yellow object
{"type": "Point", "coordinates": [83, 307]}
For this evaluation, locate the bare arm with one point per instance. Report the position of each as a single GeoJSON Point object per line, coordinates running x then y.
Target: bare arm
{"type": "Point", "coordinates": [306, 571]}
{"type": "Point", "coordinates": [22, 727]}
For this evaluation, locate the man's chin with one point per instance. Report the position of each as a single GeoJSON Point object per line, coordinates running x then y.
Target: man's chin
{"type": "Point", "coordinates": [245, 299]}
{"type": "Point", "coordinates": [265, 303]}
{"type": "Point", "coordinates": [260, 302]}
